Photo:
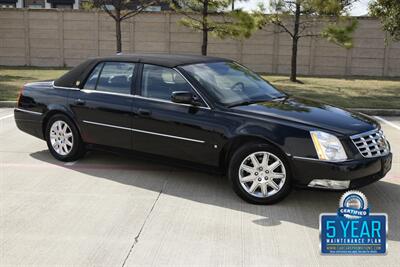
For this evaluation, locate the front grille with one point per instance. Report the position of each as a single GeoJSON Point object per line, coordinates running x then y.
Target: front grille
{"type": "Point", "coordinates": [371, 144]}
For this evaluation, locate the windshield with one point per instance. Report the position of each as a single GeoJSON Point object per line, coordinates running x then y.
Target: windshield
{"type": "Point", "coordinates": [231, 84]}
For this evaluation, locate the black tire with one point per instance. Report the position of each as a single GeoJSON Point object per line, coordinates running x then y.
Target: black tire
{"type": "Point", "coordinates": [78, 148]}
{"type": "Point", "coordinates": [233, 174]}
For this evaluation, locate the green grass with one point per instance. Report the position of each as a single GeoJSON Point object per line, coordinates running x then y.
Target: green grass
{"type": "Point", "coordinates": [349, 93]}
{"type": "Point", "coordinates": [13, 78]}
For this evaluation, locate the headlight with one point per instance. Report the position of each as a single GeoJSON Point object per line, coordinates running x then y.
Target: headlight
{"type": "Point", "coordinates": [328, 146]}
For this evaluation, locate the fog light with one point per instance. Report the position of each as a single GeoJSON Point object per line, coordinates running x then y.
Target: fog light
{"type": "Point", "coordinates": [329, 184]}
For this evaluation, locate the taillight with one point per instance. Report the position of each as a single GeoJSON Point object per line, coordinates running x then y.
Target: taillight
{"type": "Point", "coordinates": [20, 94]}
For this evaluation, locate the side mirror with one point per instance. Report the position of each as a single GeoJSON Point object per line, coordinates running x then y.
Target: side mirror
{"type": "Point", "coordinates": [182, 97]}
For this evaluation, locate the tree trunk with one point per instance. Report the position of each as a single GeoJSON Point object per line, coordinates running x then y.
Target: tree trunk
{"type": "Point", "coordinates": [295, 41]}
{"type": "Point", "coordinates": [293, 73]}
{"type": "Point", "coordinates": [205, 43]}
{"type": "Point", "coordinates": [205, 29]}
{"type": "Point", "coordinates": [118, 33]}
{"type": "Point", "coordinates": [118, 30]}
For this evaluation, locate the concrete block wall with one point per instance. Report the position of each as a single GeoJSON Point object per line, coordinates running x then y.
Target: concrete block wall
{"type": "Point", "coordinates": [13, 38]}
{"type": "Point", "coordinates": [67, 37]}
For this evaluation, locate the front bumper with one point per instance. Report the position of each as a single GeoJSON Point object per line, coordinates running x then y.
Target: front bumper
{"type": "Point", "coordinates": [357, 172]}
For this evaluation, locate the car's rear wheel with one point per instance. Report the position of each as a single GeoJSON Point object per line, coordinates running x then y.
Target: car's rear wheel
{"type": "Point", "coordinates": [260, 174]}
{"type": "Point", "coordinates": [63, 139]}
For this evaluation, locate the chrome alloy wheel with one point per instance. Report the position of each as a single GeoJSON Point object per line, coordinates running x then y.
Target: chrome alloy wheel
{"type": "Point", "coordinates": [61, 138]}
{"type": "Point", "coordinates": [262, 174]}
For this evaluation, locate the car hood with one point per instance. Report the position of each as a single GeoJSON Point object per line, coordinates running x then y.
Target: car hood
{"type": "Point", "coordinates": [312, 113]}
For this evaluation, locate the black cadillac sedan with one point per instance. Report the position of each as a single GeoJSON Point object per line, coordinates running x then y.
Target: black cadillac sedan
{"type": "Point", "coordinates": [209, 111]}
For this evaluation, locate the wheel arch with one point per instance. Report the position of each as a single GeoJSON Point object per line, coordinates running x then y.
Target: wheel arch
{"type": "Point", "coordinates": [237, 142]}
{"type": "Point", "coordinates": [57, 109]}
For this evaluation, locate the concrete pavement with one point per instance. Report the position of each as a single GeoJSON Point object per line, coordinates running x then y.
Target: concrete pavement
{"type": "Point", "coordinates": [108, 210]}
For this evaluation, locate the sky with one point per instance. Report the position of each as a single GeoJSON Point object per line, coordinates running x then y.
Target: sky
{"type": "Point", "coordinates": [359, 9]}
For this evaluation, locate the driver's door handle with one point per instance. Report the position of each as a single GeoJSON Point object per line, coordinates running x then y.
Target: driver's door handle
{"type": "Point", "coordinates": [144, 112]}
{"type": "Point", "coordinates": [80, 102]}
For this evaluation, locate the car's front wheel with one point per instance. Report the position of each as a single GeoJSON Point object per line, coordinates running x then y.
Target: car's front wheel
{"type": "Point", "coordinates": [63, 139]}
{"type": "Point", "coordinates": [259, 174]}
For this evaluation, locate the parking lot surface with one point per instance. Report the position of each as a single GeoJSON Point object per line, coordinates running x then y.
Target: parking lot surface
{"type": "Point", "coordinates": [110, 210]}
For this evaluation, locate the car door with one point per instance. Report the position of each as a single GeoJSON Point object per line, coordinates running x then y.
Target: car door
{"type": "Point", "coordinates": [170, 129]}
{"type": "Point", "coordinates": [103, 107]}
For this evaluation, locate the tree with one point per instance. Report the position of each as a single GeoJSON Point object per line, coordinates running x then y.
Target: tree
{"type": "Point", "coordinates": [212, 16]}
{"type": "Point", "coordinates": [389, 13]}
{"type": "Point", "coordinates": [311, 18]}
{"type": "Point", "coordinates": [121, 10]}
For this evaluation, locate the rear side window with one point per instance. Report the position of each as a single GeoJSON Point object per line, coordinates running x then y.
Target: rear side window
{"type": "Point", "coordinates": [92, 80]}
{"type": "Point", "coordinates": [115, 77]}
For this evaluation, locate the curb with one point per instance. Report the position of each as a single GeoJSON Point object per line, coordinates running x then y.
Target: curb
{"type": "Point", "coordinates": [8, 104]}
{"type": "Point", "coordinates": [368, 111]}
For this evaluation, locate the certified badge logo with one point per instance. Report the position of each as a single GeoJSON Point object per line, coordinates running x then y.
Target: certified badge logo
{"type": "Point", "coordinates": [353, 205]}
{"type": "Point", "coordinates": [353, 229]}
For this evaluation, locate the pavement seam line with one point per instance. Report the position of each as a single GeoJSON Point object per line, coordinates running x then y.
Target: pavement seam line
{"type": "Point", "coordinates": [136, 239]}
{"type": "Point", "coordinates": [6, 117]}
{"type": "Point", "coordinates": [388, 122]}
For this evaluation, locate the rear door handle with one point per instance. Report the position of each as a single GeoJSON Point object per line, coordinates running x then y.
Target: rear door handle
{"type": "Point", "coordinates": [80, 102]}
{"type": "Point", "coordinates": [144, 112]}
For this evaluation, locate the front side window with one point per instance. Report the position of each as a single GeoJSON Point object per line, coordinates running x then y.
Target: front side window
{"type": "Point", "coordinates": [115, 77]}
{"type": "Point", "coordinates": [159, 82]}
{"type": "Point", "coordinates": [231, 84]}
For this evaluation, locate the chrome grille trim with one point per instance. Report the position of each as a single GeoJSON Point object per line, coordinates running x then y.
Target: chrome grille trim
{"type": "Point", "coordinates": [371, 144]}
